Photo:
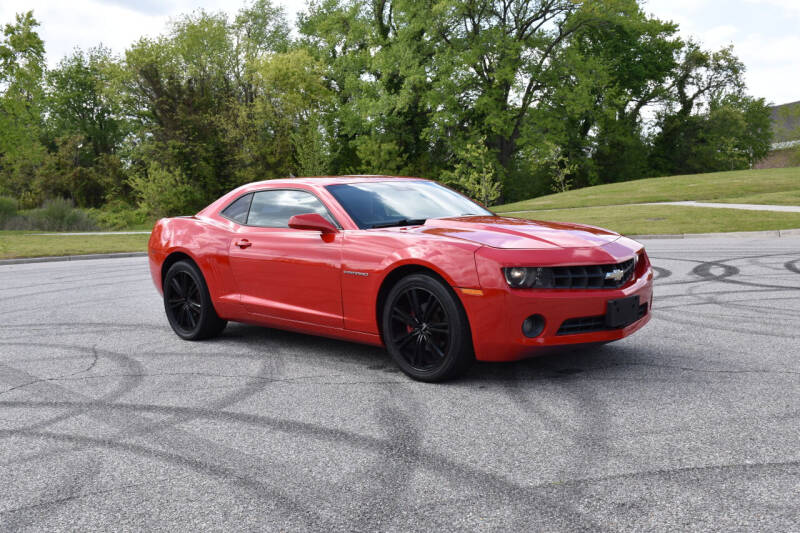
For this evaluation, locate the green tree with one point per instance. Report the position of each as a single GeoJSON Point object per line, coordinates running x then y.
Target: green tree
{"type": "Point", "coordinates": [311, 149]}
{"type": "Point", "coordinates": [619, 70]}
{"type": "Point", "coordinates": [84, 118]}
{"type": "Point", "coordinates": [80, 101]}
{"type": "Point", "coordinates": [709, 123]}
{"type": "Point", "coordinates": [22, 66]}
{"type": "Point", "coordinates": [475, 174]}
{"type": "Point", "coordinates": [415, 82]}
{"type": "Point", "coordinates": [192, 93]}
{"type": "Point", "coordinates": [290, 99]}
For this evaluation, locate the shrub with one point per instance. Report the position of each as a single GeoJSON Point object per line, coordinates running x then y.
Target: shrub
{"type": "Point", "coordinates": [474, 174]}
{"type": "Point", "coordinates": [57, 214]}
{"type": "Point", "coordinates": [8, 209]}
{"type": "Point", "coordinates": [165, 192]}
{"type": "Point", "coordinates": [119, 215]}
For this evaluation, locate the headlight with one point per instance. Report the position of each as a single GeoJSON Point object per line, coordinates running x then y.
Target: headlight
{"type": "Point", "coordinates": [529, 277]}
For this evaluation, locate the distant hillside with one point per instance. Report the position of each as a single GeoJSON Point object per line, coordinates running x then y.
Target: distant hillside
{"type": "Point", "coordinates": [770, 186]}
{"type": "Point", "coordinates": [785, 123]}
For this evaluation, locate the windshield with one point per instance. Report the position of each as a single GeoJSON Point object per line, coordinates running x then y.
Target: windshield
{"type": "Point", "coordinates": [377, 204]}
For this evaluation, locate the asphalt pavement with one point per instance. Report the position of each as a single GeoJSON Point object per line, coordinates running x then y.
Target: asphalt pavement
{"type": "Point", "coordinates": [109, 422]}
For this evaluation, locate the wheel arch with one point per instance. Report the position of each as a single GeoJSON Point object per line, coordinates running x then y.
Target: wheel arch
{"type": "Point", "coordinates": [399, 272]}
{"type": "Point", "coordinates": [173, 258]}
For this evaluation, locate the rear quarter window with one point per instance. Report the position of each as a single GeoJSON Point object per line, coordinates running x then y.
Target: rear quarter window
{"type": "Point", "coordinates": [238, 210]}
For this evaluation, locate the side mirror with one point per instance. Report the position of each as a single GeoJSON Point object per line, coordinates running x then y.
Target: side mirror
{"type": "Point", "coordinates": [312, 221]}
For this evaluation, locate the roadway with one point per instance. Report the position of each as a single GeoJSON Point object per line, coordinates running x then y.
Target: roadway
{"type": "Point", "coordinates": [109, 421]}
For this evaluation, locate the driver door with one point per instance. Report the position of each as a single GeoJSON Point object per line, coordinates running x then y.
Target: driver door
{"type": "Point", "coordinates": [283, 272]}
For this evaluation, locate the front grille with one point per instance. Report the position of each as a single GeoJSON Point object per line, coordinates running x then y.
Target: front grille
{"type": "Point", "coordinates": [588, 324]}
{"type": "Point", "coordinates": [592, 276]}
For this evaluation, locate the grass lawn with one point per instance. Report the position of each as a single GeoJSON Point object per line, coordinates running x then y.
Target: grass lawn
{"type": "Point", "coordinates": [769, 186]}
{"type": "Point", "coordinates": [23, 244]}
{"type": "Point", "coordinates": [668, 219]}
{"type": "Point", "coordinates": [602, 205]}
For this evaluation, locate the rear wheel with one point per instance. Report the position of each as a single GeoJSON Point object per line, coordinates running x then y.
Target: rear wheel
{"type": "Point", "coordinates": [425, 329]}
{"type": "Point", "coordinates": [188, 303]}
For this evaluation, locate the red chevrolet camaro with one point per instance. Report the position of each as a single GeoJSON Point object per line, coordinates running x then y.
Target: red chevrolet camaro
{"type": "Point", "coordinates": [403, 263]}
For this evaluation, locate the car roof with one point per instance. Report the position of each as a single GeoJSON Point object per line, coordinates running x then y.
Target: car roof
{"type": "Point", "coordinates": [312, 182]}
{"type": "Point", "coordinates": [332, 180]}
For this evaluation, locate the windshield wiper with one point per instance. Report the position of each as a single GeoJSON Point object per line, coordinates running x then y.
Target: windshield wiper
{"type": "Point", "coordinates": [400, 222]}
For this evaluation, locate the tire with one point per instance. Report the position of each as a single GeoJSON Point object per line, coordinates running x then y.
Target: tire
{"type": "Point", "coordinates": [188, 303]}
{"type": "Point", "coordinates": [426, 330]}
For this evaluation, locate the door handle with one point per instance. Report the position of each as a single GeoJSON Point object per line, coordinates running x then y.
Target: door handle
{"type": "Point", "coordinates": [243, 243]}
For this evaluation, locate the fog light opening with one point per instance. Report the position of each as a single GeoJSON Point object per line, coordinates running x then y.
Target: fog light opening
{"type": "Point", "coordinates": [533, 326]}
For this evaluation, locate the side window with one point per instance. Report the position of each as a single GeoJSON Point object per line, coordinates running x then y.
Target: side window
{"type": "Point", "coordinates": [237, 211]}
{"type": "Point", "coordinates": [273, 209]}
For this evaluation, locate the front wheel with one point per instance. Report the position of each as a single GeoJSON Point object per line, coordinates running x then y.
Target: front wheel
{"type": "Point", "coordinates": [426, 330]}
{"type": "Point", "coordinates": [188, 303]}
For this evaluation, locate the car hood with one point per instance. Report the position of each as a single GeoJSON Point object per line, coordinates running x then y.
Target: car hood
{"type": "Point", "coordinates": [517, 233]}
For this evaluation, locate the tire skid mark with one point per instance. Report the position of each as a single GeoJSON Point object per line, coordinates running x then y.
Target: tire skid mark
{"type": "Point", "coordinates": [76, 495]}
{"type": "Point", "coordinates": [118, 281]}
{"type": "Point", "coordinates": [590, 434]}
{"type": "Point", "coordinates": [713, 297]}
{"type": "Point", "coordinates": [89, 368]}
{"type": "Point", "coordinates": [704, 271]}
{"type": "Point", "coordinates": [149, 428]}
{"type": "Point", "coordinates": [587, 433]}
{"type": "Point", "coordinates": [660, 273]}
{"type": "Point", "coordinates": [704, 299]}
{"type": "Point", "coordinates": [68, 279]}
{"type": "Point", "coordinates": [129, 381]}
{"type": "Point", "coordinates": [693, 323]}
{"type": "Point", "coordinates": [228, 475]}
{"type": "Point", "coordinates": [386, 499]}
{"type": "Point", "coordinates": [725, 293]}
{"type": "Point", "coordinates": [399, 459]}
{"type": "Point", "coordinates": [442, 465]}
{"type": "Point", "coordinates": [756, 314]}
{"type": "Point", "coordinates": [766, 265]}
{"type": "Point", "coordinates": [255, 384]}
{"type": "Point", "coordinates": [105, 326]}
{"type": "Point", "coordinates": [58, 494]}
{"type": "Point", "coordinates": [159, 432]}
{"type": "Point", "coordinates": [432, 461]}
{"type": "Point", "coordinates": [699, 370]}
{"type": "Point", "coordinates": [736, 257]}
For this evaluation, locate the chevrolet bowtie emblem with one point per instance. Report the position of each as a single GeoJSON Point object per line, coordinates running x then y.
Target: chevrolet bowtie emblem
{"type": "Point", "coordinates": [615, 274]}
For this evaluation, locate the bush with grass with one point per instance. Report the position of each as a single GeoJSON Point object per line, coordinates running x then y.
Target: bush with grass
{"type": "Point", "coordinates": [164, 192]}
{"type": "Point", "coordinates": [120, 215]}
{"type": "Point", "coordinates": [57, 214]}
{"type": "Point", "coordinates": [8, 209]}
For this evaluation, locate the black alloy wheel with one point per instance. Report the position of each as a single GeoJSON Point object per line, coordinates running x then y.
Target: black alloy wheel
{"type": "Point", "coordinates": [425, 329]}
{"type": "Point", "coordinates": [188, 303]}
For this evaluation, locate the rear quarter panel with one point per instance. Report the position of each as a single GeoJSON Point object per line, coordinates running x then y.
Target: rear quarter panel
{"type": "Point", "coordinates": [206, 242]}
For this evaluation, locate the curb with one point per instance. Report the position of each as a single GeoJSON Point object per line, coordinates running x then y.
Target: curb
{"type": "Point", "coordinates": [56, 258]}
{"type": "Point", "coordinates": [732, 234]}
{"type": "Point", "coordinates": [85, 233]}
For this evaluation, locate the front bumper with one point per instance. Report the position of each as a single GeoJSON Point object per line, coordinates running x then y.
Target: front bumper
{"type": "Point", "coordinates": [496, 315]}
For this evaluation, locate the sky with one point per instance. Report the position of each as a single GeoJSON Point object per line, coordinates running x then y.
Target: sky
{"type": "Point", "coordinates": [763, 32]}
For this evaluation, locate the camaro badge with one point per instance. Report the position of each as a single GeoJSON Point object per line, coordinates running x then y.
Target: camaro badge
{"type": "Point", "coordinates": [615, 274]}
{"type": "Point", "coordinates": [354, 273]}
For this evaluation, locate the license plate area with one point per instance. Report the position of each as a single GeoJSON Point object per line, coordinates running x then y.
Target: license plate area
{"type": "Point", "coordinates": [622, 312]}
